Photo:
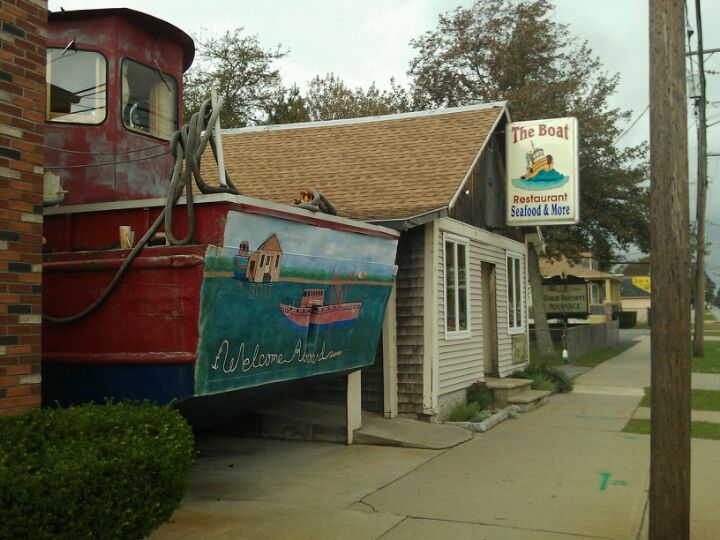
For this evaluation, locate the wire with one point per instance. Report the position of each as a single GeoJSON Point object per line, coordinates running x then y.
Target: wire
{"type": "Point", "coordinates": [106, 163]}
{"type": "Point", "coordinates": [106, 153]}
{"type": "Point", "coordinates": [632, 125]}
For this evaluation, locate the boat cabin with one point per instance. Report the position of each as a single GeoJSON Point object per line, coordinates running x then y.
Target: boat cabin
{"type": "Point", "coordinates": [114, 98]}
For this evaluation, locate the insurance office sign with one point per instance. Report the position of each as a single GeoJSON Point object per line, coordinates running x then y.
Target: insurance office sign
{"type": "Point", "coordinates": [571, 299]}
{"type": "Point", "coordinates": [542, 172]}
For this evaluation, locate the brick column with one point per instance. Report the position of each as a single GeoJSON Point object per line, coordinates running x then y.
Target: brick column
{"type": "Point", "coordinates": [23, 34]}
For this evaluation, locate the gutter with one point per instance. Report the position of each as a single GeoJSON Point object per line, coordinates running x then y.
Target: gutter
{"type": "Point", "coordinates": [405, 224]}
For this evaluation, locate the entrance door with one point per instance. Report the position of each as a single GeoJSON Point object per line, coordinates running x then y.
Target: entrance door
{"type": "Point", "coordinates": [489, 303]}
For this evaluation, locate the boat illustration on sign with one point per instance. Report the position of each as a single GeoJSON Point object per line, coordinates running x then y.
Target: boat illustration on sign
{"type": "Point", "coordinates": [540, 172]}
{"type": "Point", "coordinates": [313, 313]}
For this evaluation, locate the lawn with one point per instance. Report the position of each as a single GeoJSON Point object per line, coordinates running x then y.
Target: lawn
{"type": "Point", "coordinates": [710, 363]}
{"type": "Point", "coordinates": [700, 400]}
{"type": "Point", "coordinates": [698, 430]}
{"type": "Point", "coordinates": [709, 316]}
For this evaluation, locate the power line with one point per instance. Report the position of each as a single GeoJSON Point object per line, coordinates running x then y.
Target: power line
{"type": "Point", "coordinates": [632, 125]}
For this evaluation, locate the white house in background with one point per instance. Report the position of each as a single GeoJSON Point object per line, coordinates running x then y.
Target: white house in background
{"type": "Point", "coordinates": [458, 312]}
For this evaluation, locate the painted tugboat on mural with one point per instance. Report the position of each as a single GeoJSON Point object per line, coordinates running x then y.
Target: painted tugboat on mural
{"type": "Point", "coordinates": [313, 312]}
{"type": "Point", "coordinates": [149, 297]}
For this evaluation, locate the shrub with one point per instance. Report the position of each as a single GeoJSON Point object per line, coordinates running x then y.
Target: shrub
{"type": "Point", "coordinates": [539, 380]}
{"type": "Point", "coordinates": [562, 380]}
{"type": "Point", "coordinates": [112, 471]}
{"type": "Point", "coordinates": [469, 412]}
{"type": "Point", "coordinates": [628, 319]}
{"type": "Point", "coordinates": [477, 393]}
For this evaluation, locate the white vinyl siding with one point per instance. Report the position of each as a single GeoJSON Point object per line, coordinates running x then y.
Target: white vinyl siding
{"type": "Point", "coordinates": [461, 360]}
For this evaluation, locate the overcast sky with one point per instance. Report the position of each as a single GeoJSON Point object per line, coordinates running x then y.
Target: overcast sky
{"type": "Point", "coordinates": [369, 41]}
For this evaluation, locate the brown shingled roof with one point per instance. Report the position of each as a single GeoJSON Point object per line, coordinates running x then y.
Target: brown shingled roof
{"type": "Point", "coordinates": [380, 168]}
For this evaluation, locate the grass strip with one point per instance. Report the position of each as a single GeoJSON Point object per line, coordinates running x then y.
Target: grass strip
{"type": "Point", "coordinates": [700, 400]}
{"type": "Point", "coordinates": [710, 363]}
{"type": "Point", "coordinates": [598, 357]}
{"type": "Point", "coordinates": [698, 430]}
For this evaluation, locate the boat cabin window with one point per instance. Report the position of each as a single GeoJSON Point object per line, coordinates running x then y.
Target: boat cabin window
{"type": "Point", "coordinates": [149, 100]}
{"type": "Point", "coordinates": [76, 86]}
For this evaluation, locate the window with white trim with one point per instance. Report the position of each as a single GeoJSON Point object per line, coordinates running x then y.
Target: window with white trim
{"type": "Point", "coordinates": [457, 311]}
{"type": "Point", "coordinates": [515, 281]}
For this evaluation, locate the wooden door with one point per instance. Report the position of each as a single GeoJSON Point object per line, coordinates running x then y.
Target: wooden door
{"type": "Point", "coordinates": [490, 337]}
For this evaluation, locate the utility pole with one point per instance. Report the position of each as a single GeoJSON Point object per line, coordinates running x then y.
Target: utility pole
{"type": "Point", "coordinates": [669, 517]}
{"type": "Point", "coordinates": [699, 337]}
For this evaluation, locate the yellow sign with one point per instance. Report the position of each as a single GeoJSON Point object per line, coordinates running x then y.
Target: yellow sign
{"type": "Point", "coordinates": [642, 282]}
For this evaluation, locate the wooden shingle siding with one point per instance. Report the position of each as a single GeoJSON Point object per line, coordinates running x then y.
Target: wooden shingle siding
{"type": "Point", "coordinates": [410, 321]}
{"type": "Point", "coordinates": [461, 360]}
{"type": "Point", "coordinates": [372, 384]}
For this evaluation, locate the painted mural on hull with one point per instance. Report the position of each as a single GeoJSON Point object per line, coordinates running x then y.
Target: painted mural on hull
{"type": "Point", "coordinates": [283, 300]}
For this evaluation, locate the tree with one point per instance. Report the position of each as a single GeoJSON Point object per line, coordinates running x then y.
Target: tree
{"type": "Point", "coordinates": [288, 107]}
{"type": "Point", "coordinates": [328, 98]}
{"type": "Point", "coordinates": [516, 51]}
{"type": "Point", "coordinates": [241, 71]}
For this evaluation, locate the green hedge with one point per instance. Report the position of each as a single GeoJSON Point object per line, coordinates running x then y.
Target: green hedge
{"type": "Point", "coordinates": [112, 471]}
{"type": "Point", "coordinates": [628, 319]}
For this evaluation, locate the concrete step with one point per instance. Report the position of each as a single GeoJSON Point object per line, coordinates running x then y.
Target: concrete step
{"type": "Point", "coordinates": [528, 400]}
{"type": "Point", "coordinates": [407, 433]}
{"type": "Point", "coordinates": [503, 389]}
{"type": "Point", "coordinates": [508, 382]}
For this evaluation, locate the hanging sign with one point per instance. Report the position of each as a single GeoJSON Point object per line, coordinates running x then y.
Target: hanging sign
{"type": "Point", "coordinates": [566, 299]}
{"type": "Point", "coordinates": [542, 172]}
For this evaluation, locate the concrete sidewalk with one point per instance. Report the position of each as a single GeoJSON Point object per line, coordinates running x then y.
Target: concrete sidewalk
{"type": "Point", "coordinates": [565, 470]}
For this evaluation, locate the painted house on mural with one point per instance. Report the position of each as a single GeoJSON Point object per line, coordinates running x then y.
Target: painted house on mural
{"type": "Point", "coordinates": [459, 309]}
{"type": "Point", "coordinates": [603, 287]}
{"type": "Point", "coordinates": [264, 263]}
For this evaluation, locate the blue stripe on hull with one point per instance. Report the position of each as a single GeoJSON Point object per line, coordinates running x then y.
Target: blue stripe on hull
{"type": "Point", "coordinates": [81, 383]}
{"type": "Point", "coordinates": [338, 324]}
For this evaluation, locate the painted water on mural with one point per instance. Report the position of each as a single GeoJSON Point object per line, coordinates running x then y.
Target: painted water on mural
{"type": "Point", "coordinates": [286, 300]}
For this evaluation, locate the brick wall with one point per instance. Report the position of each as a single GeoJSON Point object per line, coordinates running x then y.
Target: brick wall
{"type": "Point", "coordinates": [23, 33]}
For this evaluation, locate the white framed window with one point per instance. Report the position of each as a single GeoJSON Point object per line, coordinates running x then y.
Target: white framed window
{"type": "Point", "coordinates": [516, 300]}
{"type": "Point", "coordinates": [457, 307]}
{"type": "Point", "coordinates": [596, 296]}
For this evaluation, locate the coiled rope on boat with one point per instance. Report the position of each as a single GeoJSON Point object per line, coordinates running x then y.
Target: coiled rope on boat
{"type": "Point", "coordinates": [187, 146]}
